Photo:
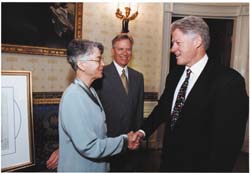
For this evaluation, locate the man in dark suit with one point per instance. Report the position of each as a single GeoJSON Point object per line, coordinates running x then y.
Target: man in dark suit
{"type": "Point", "coordinates": [123, 105]}
{"type": "Point", "coordinates": [204, 106]}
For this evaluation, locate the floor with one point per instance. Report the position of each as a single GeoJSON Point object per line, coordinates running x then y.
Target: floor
{"type": "Point", "coordinates": [151, 160]}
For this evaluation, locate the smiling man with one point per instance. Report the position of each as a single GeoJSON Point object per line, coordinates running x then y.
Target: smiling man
{"type": "Point", "coordinates": [121, 92]}
{"type": "Point", "coordinates": [204, 106]}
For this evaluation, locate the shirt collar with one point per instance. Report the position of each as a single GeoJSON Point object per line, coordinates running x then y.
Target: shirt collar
{"type": "Point", "coordinates": [119, 68]}
{"type": "Point", "coordinates": [198, 66]}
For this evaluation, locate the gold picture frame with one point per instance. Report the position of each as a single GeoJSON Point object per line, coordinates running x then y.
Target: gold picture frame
{"type": "Point", "coordinates": [49, 47]}
{"type": "Point", "coordinates": [17, 136]}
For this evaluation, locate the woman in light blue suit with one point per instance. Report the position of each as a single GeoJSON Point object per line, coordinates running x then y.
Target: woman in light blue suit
{"type": "Point", "coordinates": [83, 143]}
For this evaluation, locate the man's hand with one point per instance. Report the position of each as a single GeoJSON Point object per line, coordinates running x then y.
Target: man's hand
{"type": "Point", "coordinates": [134, 140]}
{"type": "Point", "coordinates": [52, 162]}
{"type": "Point", "coordinates": [139, 135]}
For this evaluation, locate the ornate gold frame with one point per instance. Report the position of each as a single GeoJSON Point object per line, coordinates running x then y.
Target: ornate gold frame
{"type": "Point", "coordinates": [46, 50]}
{"type": "Point", "coordinates": [41, 98]}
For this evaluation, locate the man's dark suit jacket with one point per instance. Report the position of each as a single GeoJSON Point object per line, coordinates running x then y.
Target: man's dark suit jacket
{"type": "Point", "coordinates": [124, 113]}
{"type": "Point", "coordinates": [210, 130]}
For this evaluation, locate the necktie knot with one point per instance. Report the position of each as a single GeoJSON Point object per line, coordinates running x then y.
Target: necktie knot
{"type": "Point", "coordinates": [123, 72]}
{"type": "Point", "coordinates": [188, 71]}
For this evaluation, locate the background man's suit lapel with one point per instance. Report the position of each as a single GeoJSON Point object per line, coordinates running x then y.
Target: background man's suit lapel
{"type": "Point", "coordinates": [116, 81]}
{"type": "Point", "coordinates": [131, 82]}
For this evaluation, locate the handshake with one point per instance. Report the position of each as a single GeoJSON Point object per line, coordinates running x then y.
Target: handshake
{"type": "Point", "coordinates": [134, 139]}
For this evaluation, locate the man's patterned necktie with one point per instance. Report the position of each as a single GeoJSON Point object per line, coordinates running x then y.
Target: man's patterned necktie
{"type": "Point", "coordinates": [180, 100]}
{"type": "Point", "coordinates": [124, 81]}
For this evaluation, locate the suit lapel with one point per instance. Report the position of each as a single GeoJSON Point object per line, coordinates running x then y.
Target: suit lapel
{"type": "Point", "coordinates": [131, 82]}
{"type": "Point", "coordinates": [202, 84]}
{"type": "Point", "coordinates": [115, 81]}
{"type": "Point", "coordinates": [175, 77]}
{"type": "Point", "coordinates": [199, 94]}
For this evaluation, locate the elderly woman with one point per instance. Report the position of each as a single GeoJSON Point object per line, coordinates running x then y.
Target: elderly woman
{"type": "Point", "coordinates": [83, 144]}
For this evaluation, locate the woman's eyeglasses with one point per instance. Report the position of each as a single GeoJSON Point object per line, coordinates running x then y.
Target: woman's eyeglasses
{"type": "Point", "coordinates": [100, 60]}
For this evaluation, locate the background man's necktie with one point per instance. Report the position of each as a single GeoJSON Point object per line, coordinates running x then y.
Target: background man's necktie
{"type": "Point", "coordinates": [124, 81]}
{"type": "Point", "coordinates": [180, 100]}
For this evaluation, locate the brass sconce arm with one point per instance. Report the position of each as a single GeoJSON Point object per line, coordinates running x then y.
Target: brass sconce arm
{"type": "Point", "coordinates": [125, 18]}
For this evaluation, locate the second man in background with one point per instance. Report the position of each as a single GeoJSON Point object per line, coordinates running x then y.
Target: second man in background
{"type": "Point", "coordinates": [121, 91]}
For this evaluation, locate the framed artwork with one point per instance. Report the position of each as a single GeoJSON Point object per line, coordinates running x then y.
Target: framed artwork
{"type": "Point", "coordinates": [17, 136]}
{"type": "Point", "coordinates": [40, 28]}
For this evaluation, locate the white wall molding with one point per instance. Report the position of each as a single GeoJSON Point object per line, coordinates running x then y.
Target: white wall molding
{"type": "Point", "coordinates": [225, 10]}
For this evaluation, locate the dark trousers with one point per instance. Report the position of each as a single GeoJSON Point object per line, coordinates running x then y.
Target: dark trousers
{"type": "Point", "coordinates": [128, 161]}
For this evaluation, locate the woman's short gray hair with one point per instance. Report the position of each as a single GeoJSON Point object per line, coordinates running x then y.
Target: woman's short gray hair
{"type": "Point", "coordinates": [193, 24]}
{"type": "Point", "coordinates": [83, 48]}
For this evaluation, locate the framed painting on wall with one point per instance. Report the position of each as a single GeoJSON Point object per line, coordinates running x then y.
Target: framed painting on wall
{"type": "Point", "coordinates": [40, 28]}
{"type": "Point", "coordinates": [17, 136]}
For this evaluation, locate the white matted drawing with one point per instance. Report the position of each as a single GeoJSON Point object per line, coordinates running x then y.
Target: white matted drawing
{"type": "Point", "coordinates": [17, 142]}
{"type": "Point", "coordinates": [7, 119]}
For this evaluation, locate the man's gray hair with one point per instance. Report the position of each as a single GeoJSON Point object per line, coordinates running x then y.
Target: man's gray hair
{"type": "Point", "coordinates": [193, 24]}
{"type": "Point", "coordinates": [122, 36]}
{"type": "Point", "coordinates": [80, 50]}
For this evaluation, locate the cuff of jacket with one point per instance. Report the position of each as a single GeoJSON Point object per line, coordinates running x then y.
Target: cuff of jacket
{"type": "Point", "coordinates": [125, 142]}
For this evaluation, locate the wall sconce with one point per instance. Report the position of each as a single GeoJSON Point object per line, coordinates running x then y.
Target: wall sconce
{"type": "Point", "coordinates": [126, 18]}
